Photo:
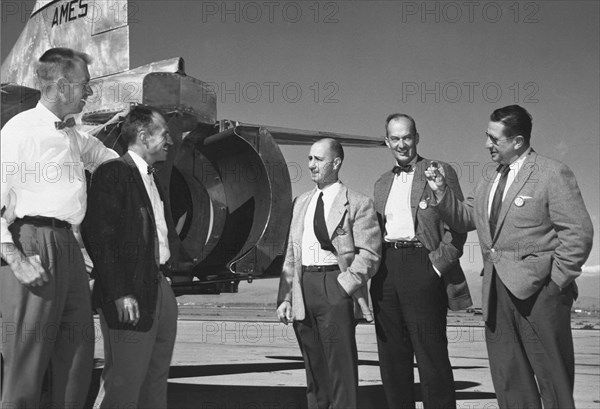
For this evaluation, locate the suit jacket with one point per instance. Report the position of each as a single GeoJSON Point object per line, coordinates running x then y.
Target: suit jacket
{"type": "Point", "coordinates": [355, 235]}
{"type": "Point", "coordinates": [543, 228]}
{"type": "Point", "coordinates": [120, 235]}
{"type": "Point", "coordinates": [444, 244]}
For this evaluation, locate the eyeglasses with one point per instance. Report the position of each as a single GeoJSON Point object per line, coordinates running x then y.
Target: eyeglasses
{"type": "Point", "coordinates": [495, 140]}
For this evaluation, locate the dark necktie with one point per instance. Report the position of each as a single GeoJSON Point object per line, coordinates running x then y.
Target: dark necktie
{"type": "Point", "coordinates": [497, 201]}
{"type": "Point", "coordinates": [402, 168]}
{"type": "Point", "coordinates": [69, 123]}
{"type": "Point", "coordinates": [152, 170]}
{"type": "Point", "coordinates": [320, 226]}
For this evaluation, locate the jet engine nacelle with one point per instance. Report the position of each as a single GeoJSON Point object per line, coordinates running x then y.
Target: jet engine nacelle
{"type": "Point", "coordinates": [228, 186]}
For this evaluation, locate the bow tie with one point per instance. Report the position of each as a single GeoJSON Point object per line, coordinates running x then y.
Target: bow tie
{"type": "Point", "coordinates": [402, 168]}
{"type": "Point", "coordinates": [69, 123]}
{"type": "Point", "coordinates": [152, 170]}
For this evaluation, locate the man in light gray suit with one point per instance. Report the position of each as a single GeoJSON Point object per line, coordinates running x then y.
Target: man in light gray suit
{"type": "Point", "coordinates": [535, 234]}
{"type": "Point", "coordinates": [333, 249]}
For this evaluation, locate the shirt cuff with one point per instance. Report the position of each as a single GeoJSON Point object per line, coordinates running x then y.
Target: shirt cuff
{"type": "Point", "coordinates": [5, 233]}
{"type": "Point", "coordinates": [437, 271]}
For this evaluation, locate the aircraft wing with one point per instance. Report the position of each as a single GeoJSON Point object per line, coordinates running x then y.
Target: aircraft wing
{"type": "Point", "coordinates": [290, 136]}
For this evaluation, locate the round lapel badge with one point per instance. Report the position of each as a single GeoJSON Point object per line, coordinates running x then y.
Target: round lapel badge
{"type": "Point", "coordinates": [340, 231]}
{"type": "Point", "coordinates": [423, 204]}
{"type": "Point", "coordinates": [519, 201]}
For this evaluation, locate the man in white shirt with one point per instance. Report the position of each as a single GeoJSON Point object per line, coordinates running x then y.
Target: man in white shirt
{"type": "Point", "coordinates": [333, 249]}
{"type": "Point", "coordinates": [128, 231]}
{"type": "Point", "coordinates": [420, 276]}
{"type": "Point", "coordinates": [535, 233]}
{"type": "Point", "coordinates": [44, 293]}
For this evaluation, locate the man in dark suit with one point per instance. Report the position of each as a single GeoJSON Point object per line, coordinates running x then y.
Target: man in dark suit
{"type": "Point", "coordinates": [127, 233]}
{"type": "Point", "coordinates": [535, 234]}
{"type": "Point", "coordinates": [333, 249]}
{"type": "Point", "coordinates": [419, 277]}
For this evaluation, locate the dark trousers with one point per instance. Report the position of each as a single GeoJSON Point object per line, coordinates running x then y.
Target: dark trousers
{"type": "Point", "coordinates": [49, 325]}
{"type": "Point", "coordinates": [410, 306]}
{"type": "Point", "coordinates": [328, 343]}
{"type": "Point", "coordinates": [529, 340]}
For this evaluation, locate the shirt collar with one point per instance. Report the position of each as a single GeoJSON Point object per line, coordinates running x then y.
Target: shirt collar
{"type": "Point", "coordinates": [141, 164]}
{"type": "Point", "coordinates": [45, 114]}
{"type": "Point", "coordinates": [331, 190]}
{"type": "Point", "coordinates": [412, 163]}
{"type": "Point", "coordinates": [516, 165]}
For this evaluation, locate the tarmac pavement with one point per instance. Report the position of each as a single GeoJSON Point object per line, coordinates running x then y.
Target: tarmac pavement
{"type": "Point", "coordinates": [249, 361]}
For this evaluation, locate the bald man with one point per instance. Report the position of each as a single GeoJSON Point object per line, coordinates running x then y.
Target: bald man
{"type": "Point", "coordinates": [334, 247]}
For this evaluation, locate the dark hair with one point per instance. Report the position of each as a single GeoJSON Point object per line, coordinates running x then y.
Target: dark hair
{"type": "Point", "coordinates": [516, 121]}
{"type": "Point", "coordinates": [337, 149]}
{"type": "Point", "coordinates": [140, 117]}
{"type": "Point", "coordinates": [392, 117]}
{"type": "Point", "coordinates": [57, 62]}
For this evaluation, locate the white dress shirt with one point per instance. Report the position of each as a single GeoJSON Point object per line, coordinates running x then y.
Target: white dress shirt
{"type": "Point", "coordinates": [399, 224]}
{"type": "Point", "coordinates": [157, 207]}
{"type": "Point", "coordinates": [512, 174]}
{"type": "Point", "coordinates": [43, 168]}
{"type": "Point", "coordinates": [312, 253]}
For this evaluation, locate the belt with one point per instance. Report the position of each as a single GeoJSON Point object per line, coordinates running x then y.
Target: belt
{"type": "Point", "coordinates": [45, 221]}
{"type": "Point", "coordinates": [165, 269]}
{"type": "Point", "coordinates": [320, 269]}
{"type": "Point", "coordinates": [402, 244]}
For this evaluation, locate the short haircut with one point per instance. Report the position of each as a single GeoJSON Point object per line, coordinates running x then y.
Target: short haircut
{"type": "Point", "coordinates": [140, 117]}
{"type": "Point", "coordinates": [516, 121]}
{"type": "Point", "coordinates": [59, 62]}
{"type": "Point", "coordinates": [335, 146]}
{"type": "Point", "coordinates": [393, 117]}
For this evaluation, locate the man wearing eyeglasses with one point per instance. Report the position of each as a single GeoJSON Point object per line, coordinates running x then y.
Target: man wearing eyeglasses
{"type": "Point", "coordinates": [535, 234]}
{"type": "Point", "coordinates": [420, 276]}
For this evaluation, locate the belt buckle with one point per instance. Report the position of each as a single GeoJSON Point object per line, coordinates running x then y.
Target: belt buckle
{"type": "Point", "coordinates": [404, 244]}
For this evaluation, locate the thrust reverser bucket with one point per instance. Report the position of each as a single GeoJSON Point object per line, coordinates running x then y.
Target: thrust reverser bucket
{"type": "Point", "coordinates": [231, 199]}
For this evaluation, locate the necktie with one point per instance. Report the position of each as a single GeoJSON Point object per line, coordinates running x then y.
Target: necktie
{"type": "Point", "coordinates": [152, 170]}
{"type": "Point", "coordinates": [320, 226]}
{"type": "Point", "coordinates": [69, 123]}
{"type": "Point", "coordinates": [497, 201]}
{"type": "Point", "coordinates": [402, 168]}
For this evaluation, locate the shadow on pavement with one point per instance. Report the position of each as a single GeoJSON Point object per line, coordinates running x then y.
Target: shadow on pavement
{"type": "Point", "coordinates": [203, 396]}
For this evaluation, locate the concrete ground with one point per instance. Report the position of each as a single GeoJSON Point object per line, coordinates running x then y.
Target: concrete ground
{"type": "Point", "coordinates": [254, 362]}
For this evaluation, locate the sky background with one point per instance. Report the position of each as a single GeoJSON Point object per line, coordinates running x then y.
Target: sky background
{"type": "Point", "coordinates": [343, 66]}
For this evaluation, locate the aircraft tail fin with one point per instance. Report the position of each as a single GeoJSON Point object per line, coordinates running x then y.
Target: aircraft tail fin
{"type": "Point", "coordinates": [98, 28]}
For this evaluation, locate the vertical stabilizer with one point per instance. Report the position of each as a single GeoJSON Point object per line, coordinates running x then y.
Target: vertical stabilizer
{"type": "Point", "coordinates": [99, 28]}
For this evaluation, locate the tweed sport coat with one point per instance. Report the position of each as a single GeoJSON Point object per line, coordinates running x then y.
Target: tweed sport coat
{"type": "Point", "coordinates": [355, 235]}
{"type": "Point", "coordinates": [444, 244]}
{"type": "Point", "coordinates": [544, 230]}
